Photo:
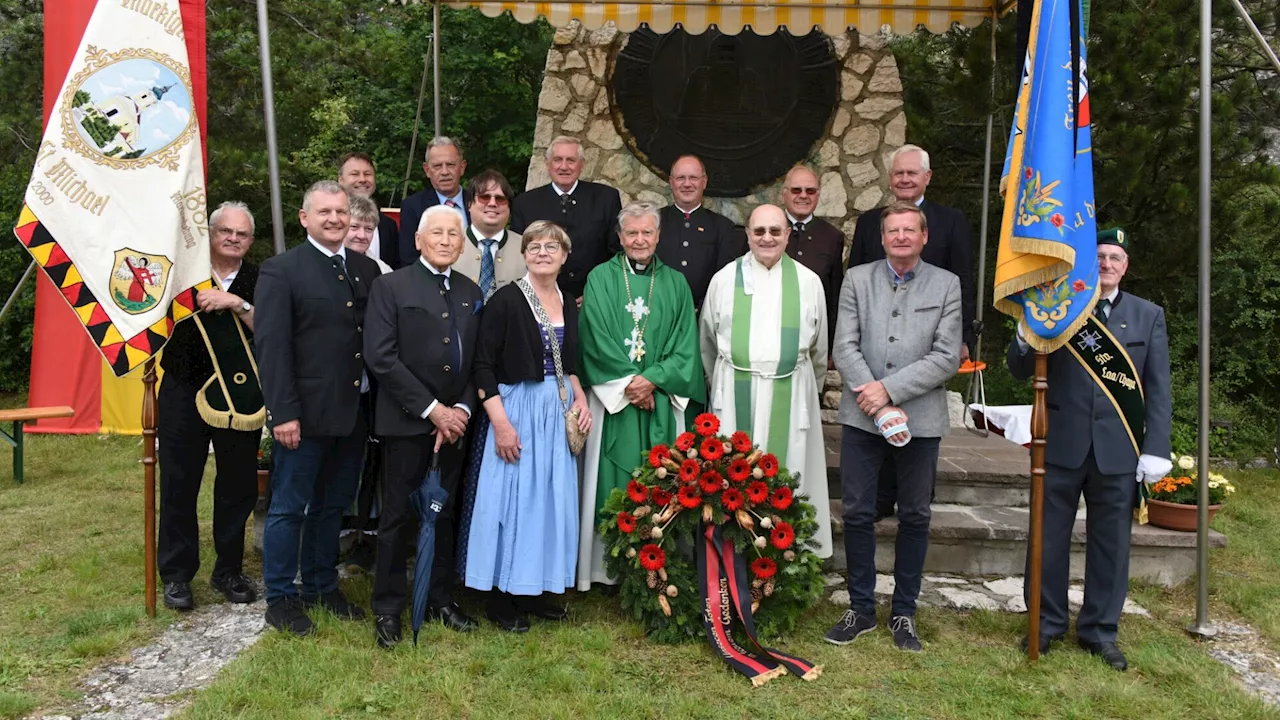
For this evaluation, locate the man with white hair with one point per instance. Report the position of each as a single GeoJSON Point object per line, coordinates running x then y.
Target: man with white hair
{"type": "Point", "coordinates": [444, 166]}
{"type": "Point", "coordinates": [587, 211]}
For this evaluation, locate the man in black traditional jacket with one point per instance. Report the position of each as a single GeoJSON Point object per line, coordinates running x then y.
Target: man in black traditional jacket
{"type": "Point", "coordinates": [695, 240]}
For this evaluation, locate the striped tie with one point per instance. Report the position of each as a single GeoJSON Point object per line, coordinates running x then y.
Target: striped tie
{"type": "Point", "coordinates": [486, 267]}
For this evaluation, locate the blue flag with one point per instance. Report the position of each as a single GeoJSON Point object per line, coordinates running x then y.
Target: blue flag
{"type": "Point", "coordinates": [1047, 265]}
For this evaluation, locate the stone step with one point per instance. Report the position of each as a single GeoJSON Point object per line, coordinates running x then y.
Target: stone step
{"type": "Point", "coordinates": [987, 541]}
{"type": "Point", "coordinates": [972, 470]}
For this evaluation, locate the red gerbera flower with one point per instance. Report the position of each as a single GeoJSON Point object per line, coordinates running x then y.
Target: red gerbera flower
{"type": "Point", "coordinates": [1078, 285]}
{"type": "Point", "coordinates": [652, 558]}
{"type": "Point", "coordinates": [757, 492]}
{"type": "Point", "coordinates": [769, 465]}
{"type": "Point", "coordinates": [657, 454]}
{"type": "Point", "coordinates": [739, 470]}
{"type": "Point", "coordinates": [711, 482]}
{"type": "Point", "coordinates": [689, 497]}
{"type": "Point", "coordinates": [685, 441]}
{"type": "Point", "coordinates": [782, 536]}
{"type": "Point", "coordinates": [711, 449]}
{"type": "Point", "coordinates": [707, 424]}
{"type": "Point", "coordinates": [741, 441]}
{"type": "Point", "coordinates": [689, 471]}
{"type": "Point", "coordinates": [660, 497]}
{"type": "Point", "coordinates": [1027, 172]}
{"type": "Point", "coordinates": [626, 522]}
{"type": "Point", "coordinates": [1057, 219]}
{"type": "Point", "coordinates": [782, 498]}
{"type": "Point", "coordinates": [637, 491]}
{"type": "Point", "coordinates": [732, 499]}
{"type": "Point", "coordinates": [764, 568]}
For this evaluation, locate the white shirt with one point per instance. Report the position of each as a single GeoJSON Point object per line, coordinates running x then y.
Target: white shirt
{"type": "Point", "coordinates": [690, 211]}
{"type": "Point", "coordinates": [793, 219]}
{"type": "Point", "coordinates": [481, 237]}
{"type": "Point", "coordinates": [375, 246]}
{"type": "Point", "coordinates": [562, 192]}
{"type": "Point", "coordinates": [225, 282]}
{"type": "Point", "coordinates": [447, 273]}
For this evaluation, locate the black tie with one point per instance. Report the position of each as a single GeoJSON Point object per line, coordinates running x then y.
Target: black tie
{"type": "Point", "coordinates": [1101, 310]}
{"type": "Point", "coordinates": [565, 199]}
{"type": "Point", "coordinates": [453, 340]}
{"type": "Point", "coordinates": [797, 228]}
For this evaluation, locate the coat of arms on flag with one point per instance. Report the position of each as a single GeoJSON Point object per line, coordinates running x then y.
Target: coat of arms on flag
{"type": "Point", "coordinates": [115, 209]}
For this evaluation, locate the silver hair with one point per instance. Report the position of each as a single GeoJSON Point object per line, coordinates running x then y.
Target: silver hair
{"type": "Point", "coordinates": [362, 208]}
{"type": "Point", "coordinates": [640, 209]}
{"type": "Point", "coordinates": [442, 210]}
{"type": "Point", "coordinates": [216, 215]}
{"type": "Point", "coordinates": [442, 141]}
{"type": "Point", "coordinates": [329, 187]}
{"type": "Point", "coordinates": [566, 140]}
{"type": "Point", "coordinates": [924, 155]}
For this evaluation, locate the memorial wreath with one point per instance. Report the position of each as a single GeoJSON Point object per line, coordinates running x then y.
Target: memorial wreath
{"type": "Point", "coordinates": [710, 530]}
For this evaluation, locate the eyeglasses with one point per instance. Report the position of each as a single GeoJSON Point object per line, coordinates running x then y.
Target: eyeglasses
{"type": "Point", "coordinates": [774, 231]}
{"type": "Point", "coordinates": [687, 178]}
{"type": "Point", "coordinates": [228, 232]}
{"type": "Point", "coordinates": [497, 198]}
{"type": "Point", "coordinates": [550, 248]}
{"type": "Point", "coordinates": [1114, 259]}
{"type": "Point", "coordinates": [803, 190]}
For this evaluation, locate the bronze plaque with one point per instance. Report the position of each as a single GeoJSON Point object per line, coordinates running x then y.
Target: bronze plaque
{"type": "Point", "coordinates": [750, 106]}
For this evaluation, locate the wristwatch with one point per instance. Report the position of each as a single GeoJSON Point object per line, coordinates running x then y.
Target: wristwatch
{"type": "Point", "coordinates": [244, 308]}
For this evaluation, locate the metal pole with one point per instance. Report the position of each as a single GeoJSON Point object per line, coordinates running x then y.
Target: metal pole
{"type": "Point", "coordinates": [269, 115]}
{"type": "Point", "coordinates": [1257, 34]}
{"type": "Point", "coordinates": [417, 118]}
{"type": "Point", "coordinates": [17, 290]}
{"type": "Point", "coordinates": [1202, 627]}
{"type": "Point", "coordinates": [435, 61]}
{"type": "Point", "coordinates": [986, 189]}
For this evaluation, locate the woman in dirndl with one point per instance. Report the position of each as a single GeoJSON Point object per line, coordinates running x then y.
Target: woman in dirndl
{"type": "Point", "coordinates": [523, 536]}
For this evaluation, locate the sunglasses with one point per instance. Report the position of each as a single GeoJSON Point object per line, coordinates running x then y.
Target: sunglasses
{"type": "Point", "coordinates": [484, 198]}
{"type": "Point", "coordinates": [760, 232]}
{"type": "Point", "coordinates": [803, 190]}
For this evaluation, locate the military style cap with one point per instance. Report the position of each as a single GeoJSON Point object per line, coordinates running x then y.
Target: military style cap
{"type": "Point", "coordinates": [1114, 236]}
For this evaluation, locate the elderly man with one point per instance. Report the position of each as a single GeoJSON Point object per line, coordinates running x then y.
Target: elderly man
{"type": "Point", "coordinates": [897, 342]}
{"type": "Point", "coordinates": [948, 248]}
{"type": "Point", "coordinates": [1101, 434]}
{"type": "Point", "coordinates": [444, 166]}
{"type": "Point", "coordinates": [586, 210]}
{"type": "Point", "coordinates": [419, 342]}
{"type": "Point", "coordinates": [189, 421]}
{"type": "Point", "coordinates": [491, 253]}
{"type": "Point", "coordinates": [356, 174]}
{"type": "Point", "coordinates": [311, 303]}
{"type": "Point", "coordinates": [695, 240]}
{"type": "Point", "coordinates": [640, 359]}
{"type": "Point", "coordinates": [764, 347]}
{"type": "Point", "coordinates": [815, 243]}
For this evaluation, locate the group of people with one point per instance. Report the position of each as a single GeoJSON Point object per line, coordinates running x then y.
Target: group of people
{"type": "Point", "coordinates": [533, 347]}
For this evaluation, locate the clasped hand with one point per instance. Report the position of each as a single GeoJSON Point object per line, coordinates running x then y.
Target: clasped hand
{"type": "Point", "coordinates": [211, 300]}
{"type": "Point", "coordinates": [639, 392]}
{"type": "Point", "coordinates": [872, 397]}
{"type": "Point", "coordinates": [451, 424]}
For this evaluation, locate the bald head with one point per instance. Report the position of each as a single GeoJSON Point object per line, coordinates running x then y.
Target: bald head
{"type": "Point", "coordinates": [688, 182]}
{"type": "Point", "coordinates": [767, 234]}
{"type": "Point", "coordinates": [800, 192]}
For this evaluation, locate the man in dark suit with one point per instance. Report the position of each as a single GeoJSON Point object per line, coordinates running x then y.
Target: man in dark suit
{"type": "Point", "coordinates": [356, 174]}
{"type": "Point", "coordinates": [309, 320]}
{"type": "Point", "coordinates": [444, 167]}
{"type": "Point", "coordinates": [695, 240]}
{"type": "Point", "coordinates": [587, 211]}
{"type": "Point", "coordinates": [948, 248]}
{"type": "Point", "coordinates": [815, 243]}
{"type": "Point", "coordinates": [423, 324]}
{"type": "Point", "coordinates": [1094, 448]}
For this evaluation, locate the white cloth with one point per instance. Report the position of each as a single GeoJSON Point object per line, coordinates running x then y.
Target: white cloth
{"type": "Point", "coordinates": [1153, 468]}
{"type": "Point", "coordinates": [375, 250]}
{"type": "Point", "coordinates": [805, 452]}
{"type": "Point", "coordinates": [1013, 420]}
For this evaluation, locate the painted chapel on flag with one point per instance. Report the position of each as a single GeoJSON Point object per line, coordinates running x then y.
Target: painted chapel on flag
{"type": "Point", "coordinates": [115, 211]}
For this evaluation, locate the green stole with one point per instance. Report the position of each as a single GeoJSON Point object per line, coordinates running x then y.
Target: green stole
{"type": "Point", "coordinates": [789, 354]}
{"type": "Point", "coordinates": [238, 404]}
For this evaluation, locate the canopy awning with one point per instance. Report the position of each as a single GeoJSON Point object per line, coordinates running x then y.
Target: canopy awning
{"type": "Point", "coordinates": [763, 16]}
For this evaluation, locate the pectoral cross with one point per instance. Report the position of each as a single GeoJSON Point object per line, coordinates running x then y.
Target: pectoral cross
{"type": "Point", "coordinates": [637, 309]}
{"type": "Point", "coordinates": [636, 345]}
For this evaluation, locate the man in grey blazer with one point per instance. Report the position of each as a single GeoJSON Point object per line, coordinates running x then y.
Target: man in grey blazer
{"type": "Point", "coordinates": [1090, 449]}
{"type": "Point", "coordinates": [897, 341]}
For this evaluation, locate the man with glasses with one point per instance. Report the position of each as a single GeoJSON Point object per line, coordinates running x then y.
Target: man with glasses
{"type": "Point", "coordinates": [587, 211]}
{"type": "Point", "coordinates": [444, 167]}
{"type": "Point", "coordinates": [1103, 435]}
{"type": "Point", "coordinates": [815, 243]}
{"type": "Point", "coordinates": [186, 429]}
{"type": "Point", "coordinates": [765, 325]}
{"type": "Point", "coordinates": [695, 240]}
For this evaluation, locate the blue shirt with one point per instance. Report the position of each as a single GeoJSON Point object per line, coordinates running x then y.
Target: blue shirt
{"type": "Point", "coordinates": [901, 279]}
{"type": "Point", "coordinates": [458, 201]}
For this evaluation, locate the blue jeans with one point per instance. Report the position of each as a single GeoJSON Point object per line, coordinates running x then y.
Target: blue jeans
{"type": "Point", "coordinates": [311, 486]}
{"type": "Point", "coordinates": [861, 456]}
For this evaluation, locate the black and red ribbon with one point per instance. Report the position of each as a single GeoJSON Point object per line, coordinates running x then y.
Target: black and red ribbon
{"type": "Point", "coordinates": [722, 580]}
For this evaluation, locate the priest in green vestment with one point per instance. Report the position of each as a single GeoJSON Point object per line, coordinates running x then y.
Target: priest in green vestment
{"type": "Point", "coordinates": [640, 361]}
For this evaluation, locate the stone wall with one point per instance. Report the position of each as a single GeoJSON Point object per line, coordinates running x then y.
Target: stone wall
{"type": "Point", "coordinates": [867, 124]}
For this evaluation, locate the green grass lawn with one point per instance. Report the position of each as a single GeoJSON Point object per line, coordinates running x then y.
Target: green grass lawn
{"type": "Point", "coordinates": [71, 599]}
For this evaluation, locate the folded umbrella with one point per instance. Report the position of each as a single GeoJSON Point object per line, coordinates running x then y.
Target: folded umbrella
{"type": "Point", "coordinates": [428, 500]}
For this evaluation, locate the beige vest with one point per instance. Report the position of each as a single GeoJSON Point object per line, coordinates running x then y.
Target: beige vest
{"type": "Point", "coordinates": [508, 266]}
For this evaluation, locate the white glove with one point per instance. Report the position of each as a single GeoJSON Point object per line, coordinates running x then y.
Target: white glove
{"type": "Point", "coordinates": [1022, 339]}
{"type": "Point", "coordinates": [1152, 469]}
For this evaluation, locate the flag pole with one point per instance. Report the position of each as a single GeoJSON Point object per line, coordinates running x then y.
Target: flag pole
{"type": "Point", "coordinates": [149, 477]}
{"type": "Point", "coordinates": [1035, 522]}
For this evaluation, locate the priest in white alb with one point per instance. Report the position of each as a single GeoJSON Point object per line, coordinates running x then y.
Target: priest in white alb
{"type": "Point", "coordinates": [764, 346]}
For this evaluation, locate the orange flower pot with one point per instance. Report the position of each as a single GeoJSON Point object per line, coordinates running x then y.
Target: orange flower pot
{"type": "Point", "coordinates": [1175, 516]}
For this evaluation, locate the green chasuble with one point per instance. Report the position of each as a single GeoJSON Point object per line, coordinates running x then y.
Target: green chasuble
{"type": "Point", "coordinates": [671, 359]}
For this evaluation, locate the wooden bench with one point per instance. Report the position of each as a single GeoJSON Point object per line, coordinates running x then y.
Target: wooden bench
{"type": "Point", "coordinates": [20, 416]}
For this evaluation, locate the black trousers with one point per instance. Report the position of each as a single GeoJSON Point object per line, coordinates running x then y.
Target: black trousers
{"type": "Point", "coordinates": [184, 450]}
{"type": "Point", "coordinates": [405, 464]}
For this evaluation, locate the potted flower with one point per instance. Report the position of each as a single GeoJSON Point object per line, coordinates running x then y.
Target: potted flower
{"type": "Point", "coordinates": [1173, 501]}
{"type": "Point", "coordinates": [264, 463]}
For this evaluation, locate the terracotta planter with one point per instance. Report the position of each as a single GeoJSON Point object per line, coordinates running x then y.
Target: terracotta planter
{"type": "Point", "coordinates": [1174, 516]}
{"type": "Point", "coordinates": [264, 477]}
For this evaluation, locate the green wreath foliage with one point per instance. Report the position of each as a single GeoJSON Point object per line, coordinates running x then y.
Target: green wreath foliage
{"type": "Point", "coordinates": [783, 596]}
